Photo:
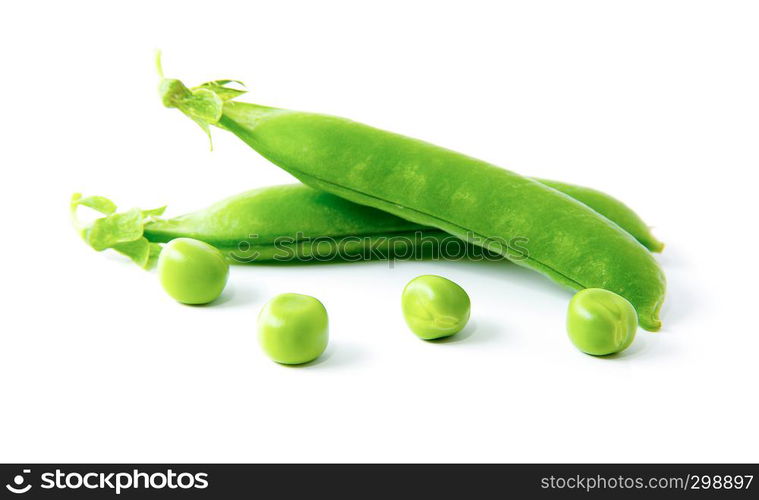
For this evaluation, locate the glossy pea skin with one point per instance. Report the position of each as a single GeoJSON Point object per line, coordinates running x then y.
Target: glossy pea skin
{"type": "Point", "coordinates": [191, 271]}
{"type": "Point", "coordinates": [600, 322]}
{"type": "Point", "coordinates": [435, 307]}
{"type": "Point", "coordinates": [293, 329]}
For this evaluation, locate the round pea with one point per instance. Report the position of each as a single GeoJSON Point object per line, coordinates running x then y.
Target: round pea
{"type": "Point", "coordinates": [600, 322]}
{"type": "Point", "coordinates": [191, 271]}
{"type": "Point", "coordinates": [293, 328]}
{"type": "Point", "coordinates": [435, 307]}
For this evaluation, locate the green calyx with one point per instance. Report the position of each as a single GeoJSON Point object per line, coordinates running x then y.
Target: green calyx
{"type": "Point", "coordinates": [203, 104]}
{"type": "Point", "coordinates": [122, 231]}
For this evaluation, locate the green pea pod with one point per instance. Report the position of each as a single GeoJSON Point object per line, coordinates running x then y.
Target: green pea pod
{"type": "Point", "coordinates": [295, 222]}
{"type": "Point", "coordinates": [526, 221]}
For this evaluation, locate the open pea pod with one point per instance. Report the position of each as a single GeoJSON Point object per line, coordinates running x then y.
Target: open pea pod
{"type": "Point", "coordinates": [524, 220]}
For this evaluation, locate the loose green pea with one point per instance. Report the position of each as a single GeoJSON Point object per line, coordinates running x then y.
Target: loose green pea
{"type": "Point", "coordinates": [191, 271]}
{"type": "Point", "coordinates": [435, 307]}
{"type": "Point", "coordinates": [600, 322]}
{"type": "Point", "coordinates": [293, 328]}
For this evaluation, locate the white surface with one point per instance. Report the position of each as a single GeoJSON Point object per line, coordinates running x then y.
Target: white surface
{"type": "Point", "coordinates": [654, 102]}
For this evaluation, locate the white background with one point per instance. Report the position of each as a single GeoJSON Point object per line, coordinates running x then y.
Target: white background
{"type": "Point", "coordinates": [656, 102]}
